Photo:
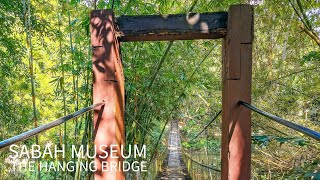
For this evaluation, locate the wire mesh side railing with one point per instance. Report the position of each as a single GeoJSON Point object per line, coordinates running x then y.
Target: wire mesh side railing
{"type": "Point", "coordinates": [156, 165]}
{"type": "Point", "coordinates": [200, 166]}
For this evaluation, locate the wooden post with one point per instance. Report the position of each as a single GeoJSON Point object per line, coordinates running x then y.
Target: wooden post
{"type": "Point", "coordinates": [108, 86]}
{"type": "Point", "coordinates": [236, 77]}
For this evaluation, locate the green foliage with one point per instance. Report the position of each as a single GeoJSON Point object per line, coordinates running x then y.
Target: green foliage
{"type": "Point", "coordinates": [263, 140]}
{"type": "Point", "coordinates": [311, 56]}
{"type": "Point", "coordinates": [312, 175]}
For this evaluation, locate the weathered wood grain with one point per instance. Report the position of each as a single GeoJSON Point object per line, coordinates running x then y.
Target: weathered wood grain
{"type": "Point", "coordinates": [236, 80]}
{"type": "Point", "coordinates": [172, 27]}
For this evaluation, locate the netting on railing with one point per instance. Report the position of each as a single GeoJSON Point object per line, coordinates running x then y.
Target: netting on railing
{"type": "Point", "coordinates": [156, 165]}
{"type": "Point", "coordinates": [201, 166]}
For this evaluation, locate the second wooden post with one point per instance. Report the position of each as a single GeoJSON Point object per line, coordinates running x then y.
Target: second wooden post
{"type": "Point", "coordinates": [236, 75]}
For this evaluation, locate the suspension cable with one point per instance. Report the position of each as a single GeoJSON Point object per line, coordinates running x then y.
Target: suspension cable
{"type": "Point", "coordinates": [133, 119]}
{"type": "Point", "coordinates": [163, 152]}
{"type": "Point", "coordinates": [311, 133]}
{"type": "Point", "coordinates": [35, 131]}
{"type": "Point", "coordinates": [203, 165]}
{"type": "Point", "coordinates": [180, 96]}
{"type": "Point", "coordinates": [214, 118]}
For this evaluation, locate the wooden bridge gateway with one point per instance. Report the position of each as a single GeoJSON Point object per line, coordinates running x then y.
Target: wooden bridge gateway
{"type": "Point", "coordinates": [235, 27]}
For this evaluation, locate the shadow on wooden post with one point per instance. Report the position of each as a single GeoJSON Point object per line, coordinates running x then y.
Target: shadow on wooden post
{"type": "Point", "coordinates": [236, 77]}
{"type": "Point", "coordinates": [108, 85]}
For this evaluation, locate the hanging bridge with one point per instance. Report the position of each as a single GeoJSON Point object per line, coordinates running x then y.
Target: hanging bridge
{"type": "Point", "coordinates": [173, 163]}
{"type": "Point", "coordinates": [235, 27]}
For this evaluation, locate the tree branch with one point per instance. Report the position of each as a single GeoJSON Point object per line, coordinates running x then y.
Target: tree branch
{"type": "Point", "coordinates": [311, 34]}
{"type": "Point", "coordinates": [306, 25]}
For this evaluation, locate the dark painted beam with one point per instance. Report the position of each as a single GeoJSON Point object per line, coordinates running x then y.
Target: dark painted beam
{"type": "Point", "coordinates": [172, 27]}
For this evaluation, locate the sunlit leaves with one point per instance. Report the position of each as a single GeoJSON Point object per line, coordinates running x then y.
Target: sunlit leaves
{"type": "Point", "coordinates": [264, 140]}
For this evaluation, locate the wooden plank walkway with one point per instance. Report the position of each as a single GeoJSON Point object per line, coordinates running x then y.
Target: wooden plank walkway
{"type": "Point", "coordinates": [174, 167]}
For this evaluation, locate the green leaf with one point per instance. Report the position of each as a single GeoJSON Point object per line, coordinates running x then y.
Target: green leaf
{"type": "Point", "coordinates": [312, 56]}
{"type": "Point", "coordinates": [313, 175]}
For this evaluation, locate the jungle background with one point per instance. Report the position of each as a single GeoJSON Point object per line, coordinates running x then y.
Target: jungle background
{"type": "Point", "coordinates": [45, 73]}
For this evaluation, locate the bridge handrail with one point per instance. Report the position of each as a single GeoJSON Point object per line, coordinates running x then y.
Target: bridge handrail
{"type": "Point", "coordinates": [213, 119]}
{"type": "Point", "coordinates": [203, 165]}
{"type": "Point", "coordinates": [35, 131]}
{"type": "Point", "coordinates": [163, 152]}
{"type": "Point", "coordinates": [309, 132]}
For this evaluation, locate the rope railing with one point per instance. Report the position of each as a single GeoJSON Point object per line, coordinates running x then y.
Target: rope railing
{"type": "Point", "coordinates": [213, 119]}
{"type": "Point", "coordinates": [142, 127]}
{"type": "Point", "coordinates": [155, 165]}
{"type": "Point", "coordinates": [159, 155]}
{"type": "Point", "coordinates": [202, 165]}
{"type": "Point", "coordinates": [35, 131]}
{"type": "Point", "coordinates": [197, 170]}
{"type": "Point", "coordinates": [311, 133]}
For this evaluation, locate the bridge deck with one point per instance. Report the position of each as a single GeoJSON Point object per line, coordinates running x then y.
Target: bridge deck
{"type": "Point", "coordinates": [174, 167]}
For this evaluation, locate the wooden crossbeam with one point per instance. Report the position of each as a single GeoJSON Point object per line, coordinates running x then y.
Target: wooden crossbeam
{"type": "Point", "coordinates": [172, 27]}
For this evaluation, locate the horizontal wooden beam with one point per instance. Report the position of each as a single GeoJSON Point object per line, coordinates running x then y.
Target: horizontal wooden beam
{"type": "Point", "coordinates": [172, 27]}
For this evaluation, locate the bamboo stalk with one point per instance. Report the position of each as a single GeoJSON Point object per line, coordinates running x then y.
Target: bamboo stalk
{"type": "Point", "coordinates": [27, 16]}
